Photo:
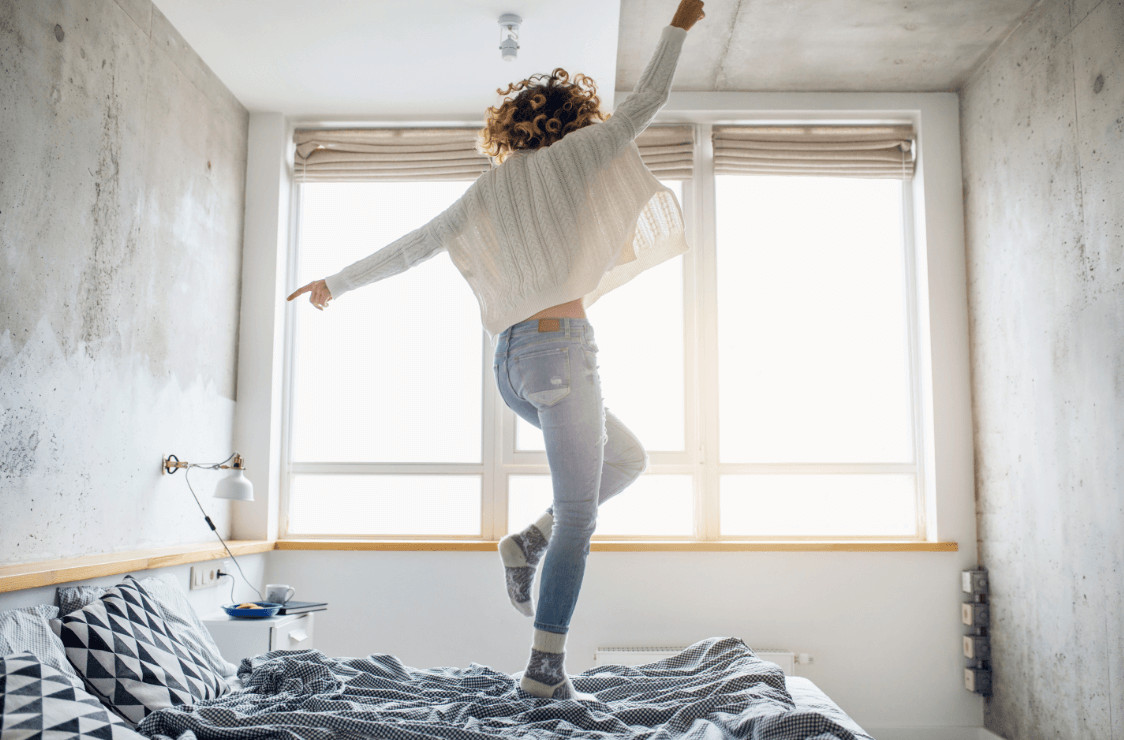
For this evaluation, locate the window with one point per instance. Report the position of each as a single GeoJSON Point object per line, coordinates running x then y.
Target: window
{"type": "Point", "coordinates": [386, 412]}
{"type": "Point", "coordinates": [769, 373]}
{"type": "Point", "coordinates": [815, 406]}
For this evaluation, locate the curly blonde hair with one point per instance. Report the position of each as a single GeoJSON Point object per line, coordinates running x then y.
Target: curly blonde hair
{"type": "Point", "coordinates": [546, 108]}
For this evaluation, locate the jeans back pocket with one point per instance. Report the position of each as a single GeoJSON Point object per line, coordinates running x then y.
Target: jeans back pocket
{"type": "Point", "coordinates": [544, 375]}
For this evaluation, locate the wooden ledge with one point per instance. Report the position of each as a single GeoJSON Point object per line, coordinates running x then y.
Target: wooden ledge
{"type": "Point", "coordinates": [53, 572]}
{"type": "Point", "coordinates": [67, 570]}
{"type": "Point", "coordinates": [629, 546]}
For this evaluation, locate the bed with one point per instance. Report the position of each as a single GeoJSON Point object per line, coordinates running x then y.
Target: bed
{"type": "Point", "coordinates": [133, 661]}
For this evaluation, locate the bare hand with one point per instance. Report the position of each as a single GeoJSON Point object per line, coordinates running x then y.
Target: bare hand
{"type": "Point", "coordinates": [320, 293]}
{"type": "Point", "coordinates": [688, 14]}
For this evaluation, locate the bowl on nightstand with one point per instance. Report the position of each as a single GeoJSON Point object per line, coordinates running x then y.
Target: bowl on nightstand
{"type": "Point", "coordinates": [260, 610]}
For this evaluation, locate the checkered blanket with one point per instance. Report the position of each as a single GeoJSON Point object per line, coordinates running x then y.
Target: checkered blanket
{"type": "Point", "coordinates": [714, 689]}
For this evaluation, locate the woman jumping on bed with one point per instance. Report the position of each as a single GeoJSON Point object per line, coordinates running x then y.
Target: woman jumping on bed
{"type": "Point", "coordinates": [568, 213]}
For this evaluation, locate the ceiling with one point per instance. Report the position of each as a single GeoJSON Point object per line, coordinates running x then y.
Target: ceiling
{"type": "Point", "coordinates": [389, 59]}
{"type": "Point", "coordinates": [822, 45]}
{"type": "Point", "coordinates": [439, 59]}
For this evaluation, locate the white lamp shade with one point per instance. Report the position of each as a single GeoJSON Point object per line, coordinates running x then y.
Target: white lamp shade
{"type": "Point", "coordinates": [236, 487]}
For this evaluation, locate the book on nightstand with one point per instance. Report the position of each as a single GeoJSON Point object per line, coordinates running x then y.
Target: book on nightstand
{"type": "Point", "coordinates": [300, 607]}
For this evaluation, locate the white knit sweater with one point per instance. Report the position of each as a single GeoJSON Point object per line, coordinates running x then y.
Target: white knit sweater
{"type": "Point", "coordinates": [571, 220]}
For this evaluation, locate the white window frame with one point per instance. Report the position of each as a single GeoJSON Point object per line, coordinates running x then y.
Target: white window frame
{"type": "Point", "coordinates": [699, 110]}
{"type": "Point", "coordinates": [916, 468]}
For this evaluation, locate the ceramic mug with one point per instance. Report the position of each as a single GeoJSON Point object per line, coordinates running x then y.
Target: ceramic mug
{"type": "Point", "coordinates": [279, 593]}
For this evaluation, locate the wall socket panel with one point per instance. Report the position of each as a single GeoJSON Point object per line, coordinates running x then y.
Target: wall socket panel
{"type": "Point", "coordinates": [206, 575]}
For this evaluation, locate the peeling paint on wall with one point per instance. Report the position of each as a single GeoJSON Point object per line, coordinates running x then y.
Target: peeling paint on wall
{"type": "Point", "coordinates": [86, 437]}
{"type": "Point", "coordinates": [121, 207]}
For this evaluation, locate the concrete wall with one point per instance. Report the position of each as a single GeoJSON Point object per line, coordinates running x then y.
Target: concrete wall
{"type": "Point", "coordinates": [1043, 128]}
{"type": "Point", "coordinates": [121, 210]}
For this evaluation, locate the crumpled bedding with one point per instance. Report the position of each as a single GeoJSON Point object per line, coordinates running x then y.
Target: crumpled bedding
{"type": "Point", "coordinates": [717, 688]}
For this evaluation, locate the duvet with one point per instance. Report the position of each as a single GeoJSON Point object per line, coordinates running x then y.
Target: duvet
{"type": "Point", "coordinates": [714, 689]}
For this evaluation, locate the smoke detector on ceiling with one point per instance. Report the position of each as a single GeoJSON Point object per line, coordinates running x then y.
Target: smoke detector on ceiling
{"type": "Point", "coordinates": [509, 36]}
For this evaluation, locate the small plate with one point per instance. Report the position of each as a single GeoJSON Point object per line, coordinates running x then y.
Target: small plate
{"type": "Point", "coordinates": [268, 609]}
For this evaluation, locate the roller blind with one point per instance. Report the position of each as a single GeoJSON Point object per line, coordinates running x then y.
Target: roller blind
{"type": "Point", "coordinates": [668, 151]}
{"type": "Point", "coordinates": [402, 154]}
{"type": "Point", "coordinates": [837, 151]}
{"type": "Point", "coordinates": [365, 155]}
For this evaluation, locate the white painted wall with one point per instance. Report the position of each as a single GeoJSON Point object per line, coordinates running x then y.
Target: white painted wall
{"type": "Point", "coordinates": [883, 627]}
{"type": "Point", "coordinates": [257, 416]}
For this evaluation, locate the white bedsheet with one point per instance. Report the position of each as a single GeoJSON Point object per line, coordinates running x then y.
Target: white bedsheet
{"type": "Point", "coordinates": [809, 696]}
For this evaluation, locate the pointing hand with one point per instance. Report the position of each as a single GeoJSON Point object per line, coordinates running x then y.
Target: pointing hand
{"type": "Point", "coordinates": [320, 293]}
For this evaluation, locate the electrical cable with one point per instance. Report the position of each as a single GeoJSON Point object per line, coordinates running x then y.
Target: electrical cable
{"type": "Point", "coordinates": [232, 582]}
{"type": "Point", "coordinates": [187, 477]}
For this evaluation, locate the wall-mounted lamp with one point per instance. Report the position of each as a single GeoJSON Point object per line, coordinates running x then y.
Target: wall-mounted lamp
{"type": "Point", "coordinates": [509, 36]}
{"type": "Point", "coordinates": [234, 487]}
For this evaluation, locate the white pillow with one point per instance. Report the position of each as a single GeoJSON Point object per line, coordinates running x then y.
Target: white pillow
{"type": "Point", "coordinates": [29, 629]}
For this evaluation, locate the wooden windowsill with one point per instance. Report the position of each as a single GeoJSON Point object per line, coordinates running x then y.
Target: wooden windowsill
{"type": "Point", "coordinates": [66, 570]}
{"type": "Point", "coordinates": [631, 546]}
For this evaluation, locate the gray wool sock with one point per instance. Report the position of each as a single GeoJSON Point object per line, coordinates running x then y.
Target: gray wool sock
{"type": "Point", "coordinates": [545, 676]}
{"type": "Point", "coordinates": [546, 670]}
{"type": "Point", "coordinates": [520, 553]}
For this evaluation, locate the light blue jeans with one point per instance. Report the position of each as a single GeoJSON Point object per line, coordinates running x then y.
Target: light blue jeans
{"type": "Point", "coordinates": [550, 378]}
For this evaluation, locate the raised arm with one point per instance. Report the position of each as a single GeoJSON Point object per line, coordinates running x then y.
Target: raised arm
{"type": "Point", "coordinates": [651, 91]}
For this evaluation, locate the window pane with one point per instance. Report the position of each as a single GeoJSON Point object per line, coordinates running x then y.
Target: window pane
{"type": "Point", "coordinates": [527, 437]}
{"type": "Point", "coordinates": [385, 504]}
{"type": "Point", "coordinates": [655, 505]}
{"type": "Point", "coordinates": [639, 330]}
{"type": "Point", "coordinates": [824, 505]}
{"type": "Point", "coordinates": [813, 358]}
{"type": "Point", "coordinates": [390, 372]}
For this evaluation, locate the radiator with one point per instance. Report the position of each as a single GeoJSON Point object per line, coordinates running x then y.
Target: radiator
{"type": "Point", "coordinates": [638, 655]}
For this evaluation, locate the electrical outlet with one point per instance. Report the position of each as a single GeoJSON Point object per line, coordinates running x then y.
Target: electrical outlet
{"type": "Point", "coordinates": [204, 576]}
{"type": "Point", "coordinates": [974, 614]}
{"type": "Point", "coordinates": [978, 680]}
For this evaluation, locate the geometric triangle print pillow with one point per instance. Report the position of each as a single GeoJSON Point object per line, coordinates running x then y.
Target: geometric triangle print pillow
{"type": "Point", "coordinates": [38, 701]}
{"type": "Point", "coordinates": [122, 646]}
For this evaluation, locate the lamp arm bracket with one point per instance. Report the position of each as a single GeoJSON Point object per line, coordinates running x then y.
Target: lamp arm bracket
{"type": "Point", "coordinates": [171, 464]}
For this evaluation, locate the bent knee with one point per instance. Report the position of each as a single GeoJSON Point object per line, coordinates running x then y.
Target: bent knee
{"type": "Point", "coordinates": [576, 520]}
{"type": "Point", "coordinates": [634, 465]}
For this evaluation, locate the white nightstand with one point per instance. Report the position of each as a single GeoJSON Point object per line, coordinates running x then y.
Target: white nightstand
{"type": "Point", "coordinates": [244, 638]}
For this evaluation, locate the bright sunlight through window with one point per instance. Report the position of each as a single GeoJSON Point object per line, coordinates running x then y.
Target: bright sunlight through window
{"type": "Point", "coordinates": [813, 358]}
{"type": "Point", "coordinates": [799, 422]}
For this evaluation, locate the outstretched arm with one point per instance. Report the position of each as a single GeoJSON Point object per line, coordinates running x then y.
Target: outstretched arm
{"type": "Point", "coordinates": [398, 256]}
